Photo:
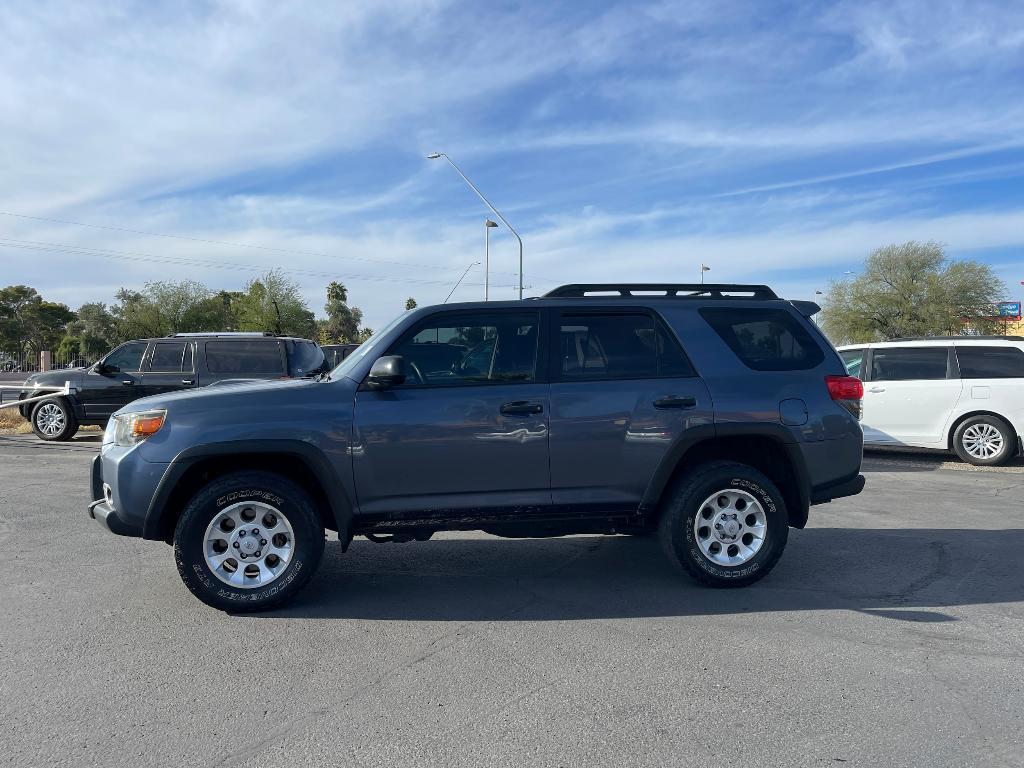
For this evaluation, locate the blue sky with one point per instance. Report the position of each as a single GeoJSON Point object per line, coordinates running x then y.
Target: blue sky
{"type": "Point", "coordinates": [775, 142]}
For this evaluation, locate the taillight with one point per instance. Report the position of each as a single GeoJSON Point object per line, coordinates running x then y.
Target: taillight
{"type": "Point", "coordinates": [848, 391]}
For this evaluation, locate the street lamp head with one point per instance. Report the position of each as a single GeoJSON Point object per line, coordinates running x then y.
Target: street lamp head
{"type": "Point", "coordinates": [489, 223]}
{"type": "Point", "coordinates": [433, 156]}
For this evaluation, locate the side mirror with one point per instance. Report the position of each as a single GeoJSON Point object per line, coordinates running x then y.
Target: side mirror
{"type": "Point", "coordinates": [103, 369]}
{"type": "Point", "coordinates": [387, 371]}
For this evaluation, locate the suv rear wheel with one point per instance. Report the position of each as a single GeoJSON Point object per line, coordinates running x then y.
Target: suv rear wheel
{"type": "Point", "coordinates": [984, 441]}
{"type": "Point", "coordinates": [725, 523]}
{"type": "Point", "coordinates": [53, 419]}
{"type": "Point", "coordinates": [248, 541]}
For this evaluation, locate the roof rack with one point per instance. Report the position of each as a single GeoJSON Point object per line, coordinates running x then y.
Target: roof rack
{"type": "Point", "coordinates": [691, 290]}
{"type": "Point", "coordinates": [954, 338]}
{"type": "Point", "coordinates": [243, 334]}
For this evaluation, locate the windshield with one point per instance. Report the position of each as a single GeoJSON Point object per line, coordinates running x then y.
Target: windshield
{"type": "Point", "coordinates": [367, 347]}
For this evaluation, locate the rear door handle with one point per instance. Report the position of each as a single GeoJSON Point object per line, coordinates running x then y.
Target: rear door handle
{"type": "Point", "coordinates": [675, 401]}
{"type": "Point", "coordinates": [876, 389]}
{"type": "Point", "coordinates": [127, 382]}
{"type": "Point", "coordinates": [187, 382]}
{"type": "Point", "coordinates": [521, 408]}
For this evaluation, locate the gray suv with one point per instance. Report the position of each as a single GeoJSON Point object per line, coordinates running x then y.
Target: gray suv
{"type": "Point", "coordinates": [712, 415]}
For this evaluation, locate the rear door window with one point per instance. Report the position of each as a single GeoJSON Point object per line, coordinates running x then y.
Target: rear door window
{"type": "Point", "coordinates": [909, 363]}
{"type": "Point", "coordinates": [765, 339]}
{"type": "Point", "coordinates": [617, 346]}
{"type": "Point", "coordinates": [977, 362]}
{"type": "Point", "coordinates": [245, 357]}
{"type": "Point", "coordinates": [168, 356]}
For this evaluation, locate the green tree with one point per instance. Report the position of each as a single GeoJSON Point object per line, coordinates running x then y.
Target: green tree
{"type": "Point", "coordinates": [410, 303]}
{"type": "Point", "coordinates": [912, 289]}
{"type": "Point", "coordinates": [28, 323]}
{"type": "Point", "coordinates": [273, 303]}
{"type": "Point", "coordinates": [163, 308]}
{"type": "Point", "coordinates": [343, 321]}
{"type": "Point", "coordinates": [91, 334]}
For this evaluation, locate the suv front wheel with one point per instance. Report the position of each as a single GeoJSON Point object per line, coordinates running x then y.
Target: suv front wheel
{"type": "Point", "coordinates": [725, 523]}
{"type": "Point", "coordinates": [248, 541]}
{"type": "Point", "coordinates": [53, 419]}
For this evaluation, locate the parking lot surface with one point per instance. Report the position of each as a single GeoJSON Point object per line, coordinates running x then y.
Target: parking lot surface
{"type": "Point", "coordinates": [891, 633]}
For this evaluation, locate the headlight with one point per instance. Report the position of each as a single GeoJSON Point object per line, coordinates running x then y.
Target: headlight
{"type": "Point", "coordinates": [133, 428]}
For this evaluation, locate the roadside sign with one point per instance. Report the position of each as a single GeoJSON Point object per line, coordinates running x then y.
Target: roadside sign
{"type": "Point", "coordinates": [1009, 310]}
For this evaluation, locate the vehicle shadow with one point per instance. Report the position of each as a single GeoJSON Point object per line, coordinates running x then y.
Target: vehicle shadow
{"type": "Point", "coordinates": [882, 572]}
{"type": "Point", "coordinates": [921, 460]}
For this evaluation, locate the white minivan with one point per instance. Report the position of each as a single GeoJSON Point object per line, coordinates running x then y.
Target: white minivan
{"type": "Point", "coordinates": [962, 393]}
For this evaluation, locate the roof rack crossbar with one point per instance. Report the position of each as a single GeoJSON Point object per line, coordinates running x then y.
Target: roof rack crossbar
{"type": "Point", "coordinates": [709, 290]}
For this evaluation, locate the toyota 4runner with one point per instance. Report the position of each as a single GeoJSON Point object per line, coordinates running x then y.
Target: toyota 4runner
{"type": "Point", "coordinates": [713, 415]}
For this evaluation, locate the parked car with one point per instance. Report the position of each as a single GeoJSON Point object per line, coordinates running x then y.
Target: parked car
{"type": "Point", "coordinates": [147, 367]}
{"type": "Point", "coordinates": [712, 415]}
{"type": "Point", "coordinates": [963, 394]}
{"type": "Point", "coordinates": [335, 353]}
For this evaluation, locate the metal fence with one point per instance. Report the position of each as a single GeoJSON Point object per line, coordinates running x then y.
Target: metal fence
{"type": "Point", "coordinates": [30, 362]}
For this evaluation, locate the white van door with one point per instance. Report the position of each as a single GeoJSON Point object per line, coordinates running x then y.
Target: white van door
{"type": "Point", "coordinates": [909, 396]}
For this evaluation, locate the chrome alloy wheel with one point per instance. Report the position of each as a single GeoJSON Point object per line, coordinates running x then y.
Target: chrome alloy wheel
{"type": "Point", "coordinates": [730, 527]}
{"type": "Point", "coordinates": [982, 441]}
{"type": "Point", "coordinates": [50, 419]}
{"type": "Point", "coordinates": [248, 544]}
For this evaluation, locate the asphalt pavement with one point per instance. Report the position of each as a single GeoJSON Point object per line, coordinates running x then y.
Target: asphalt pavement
{"type": "Point", "coordinates": [891, 634]}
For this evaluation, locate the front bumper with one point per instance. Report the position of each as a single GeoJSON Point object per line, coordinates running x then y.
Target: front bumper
{"type": "Point", "coordinates": [130, 478]}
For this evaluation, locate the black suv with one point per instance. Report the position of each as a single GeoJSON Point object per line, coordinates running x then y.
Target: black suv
{"type": "Point", "coordinates": [157, 366]}
{"type": "Point", "coordinates": [715, 415]}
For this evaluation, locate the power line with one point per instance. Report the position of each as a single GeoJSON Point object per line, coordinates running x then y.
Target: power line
{"type": "Point", "coordinates": [238, 245]}
{"type": "Point", "coordinates": [196, 262]}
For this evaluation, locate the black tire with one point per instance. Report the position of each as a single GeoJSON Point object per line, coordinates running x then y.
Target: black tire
{"type": "Point", "coordinates": [684, 503]}
{"type": "Point", "coordinates": [43, 424]}
{"type": "Point", "coordinates": [1006, 434]}
{"type": "Point", "coordinates": [224, 492]}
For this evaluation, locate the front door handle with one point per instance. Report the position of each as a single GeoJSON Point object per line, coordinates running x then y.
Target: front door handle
{"type": "Point", "coordinates": [127, 382]}
{"type": "Point", "coordinates": [187, 382]}
{"type": "Point", "coordinates": [675, 401]}
{"type": "Point", "coordinates": [521, 408]}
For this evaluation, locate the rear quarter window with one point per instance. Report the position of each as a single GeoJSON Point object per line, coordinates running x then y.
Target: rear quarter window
{"type": "Point", "coordinates": [765, 339]}
{"type": "Point", "coordinates": [253, 357]}
{"type": "Point", "coordinates": [977, 362]}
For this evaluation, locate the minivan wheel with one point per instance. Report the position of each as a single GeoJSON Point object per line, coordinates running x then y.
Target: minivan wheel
{"type": "Point", "coordinates": [984, 441]}
{"type": "Point", "coordinates": [248, 541]}
{"type": "Point", "coordinates": [725, 523]}
{"type": "Point", "coordinates": [53, 419]}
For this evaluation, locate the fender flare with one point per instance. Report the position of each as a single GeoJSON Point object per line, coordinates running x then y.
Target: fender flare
{"type": "Point", "coordinates": [709, 432]}
{"type": "Point", "coordinates": [337, 498]}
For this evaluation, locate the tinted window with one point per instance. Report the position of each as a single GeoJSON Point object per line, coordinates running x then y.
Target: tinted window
{"type": "Point", "coordinates": [304, 358]}
{"type": "Point", "coordinates": [617, 347]}
{"type": "Point", "coordinates": [126, 358]}
{"type": "Point", "coordinates": [853, 359]}
{"type": "Point", "coordinates": [231, 357]}
{"type": "Point", "coordinates": [765, 339]}
{"type": "Point", "coordinates": [168, 356]}
{"type": "Point", "coordinates": [462, 349]}
{"type": "Point", "coordinates": [990, 362]}
{"type": "Point", "coordinates": [909, 363]}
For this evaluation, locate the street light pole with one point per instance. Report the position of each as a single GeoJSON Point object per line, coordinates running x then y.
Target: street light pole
{"type": "Point", "coordinates": [495, 211]}
{"type": "Point", "coordinates": [472, 264]}
{"type": "Point", "coordinates": [488, 225]}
